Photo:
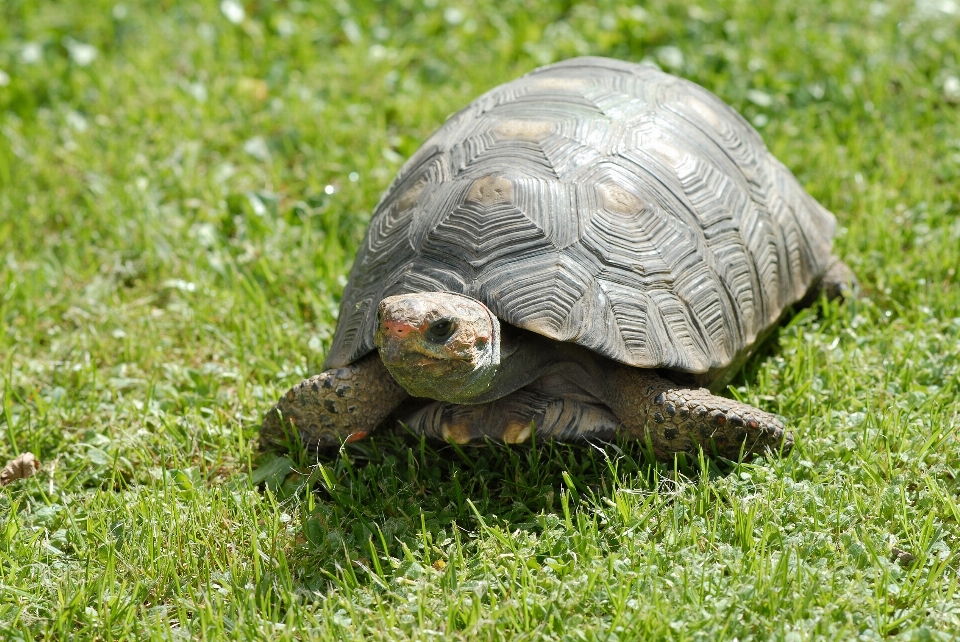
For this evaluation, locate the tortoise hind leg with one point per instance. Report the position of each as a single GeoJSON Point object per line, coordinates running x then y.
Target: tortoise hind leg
{"type": "Point", "coordinates": [838, 282]}
{"type": "Point", "coordinates": [338, 405]}
{"type": "Point", "coordinates": [514, 419]}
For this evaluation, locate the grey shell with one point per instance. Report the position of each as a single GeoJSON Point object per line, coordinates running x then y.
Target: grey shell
{"type": "Point", "coordinates": [599, 202]}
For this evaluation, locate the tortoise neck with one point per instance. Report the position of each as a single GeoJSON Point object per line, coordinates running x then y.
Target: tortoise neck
{"type": "Point", "coordinates": [526, 356]}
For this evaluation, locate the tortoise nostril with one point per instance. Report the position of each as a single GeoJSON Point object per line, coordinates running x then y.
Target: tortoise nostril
{"type": "Point", "coordinates": [394, 328]}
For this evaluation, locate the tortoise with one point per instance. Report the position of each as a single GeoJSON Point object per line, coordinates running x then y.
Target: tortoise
{"type": "Point", "coordinates": [591, 250]}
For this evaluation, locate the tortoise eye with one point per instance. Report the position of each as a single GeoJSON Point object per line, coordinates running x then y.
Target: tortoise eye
{"type": "Point", "coordinates": [441, 330]}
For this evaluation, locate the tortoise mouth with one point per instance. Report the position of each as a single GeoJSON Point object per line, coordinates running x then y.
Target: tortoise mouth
{"type": "Point", "coordinates": [411, 354]}
{"type": "Point", "coordinates": [427, 362]}
{"type": "Point", "coordinates": [427, 376]}
{"type": "Point", "coordinates": [417, 359]}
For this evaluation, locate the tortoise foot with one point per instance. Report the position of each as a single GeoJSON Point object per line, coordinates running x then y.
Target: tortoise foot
{"type": "Point", "coordinates": [678, 419]}
{"type": "Point", "coordinates": [332, 408]}
{"type": "Point", "coordinates": [684, 419]}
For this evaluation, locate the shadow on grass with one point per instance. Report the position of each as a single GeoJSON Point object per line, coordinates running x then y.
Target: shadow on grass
{"type": "Point", "coordinates": [396, 504]}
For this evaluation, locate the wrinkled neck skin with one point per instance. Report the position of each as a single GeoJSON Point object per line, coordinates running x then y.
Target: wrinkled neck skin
{"type": "Point", "coordinates": [526, 356]}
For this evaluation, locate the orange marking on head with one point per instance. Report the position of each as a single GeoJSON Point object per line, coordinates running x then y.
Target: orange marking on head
{"type": "Point", "coordinates": [398, 329]}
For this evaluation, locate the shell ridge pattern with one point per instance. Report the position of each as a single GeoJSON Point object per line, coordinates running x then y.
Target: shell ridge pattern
{"type": "Point", "coordinates": [591, 322]}
{"type": "Point", "coordinates": [483, 153]}
{"type": "Point", "coordinates": [632, 327]}
{"type": "Point", "coordinates": [785, 279]}
{"type": "Point", "coordinates": [791, 192]}
{"type": "Point", "coordinates": [568, 155]}
{"type": "Point", "coordinates": [728, 142]}
{"type": "Point", "coordinates": [599, 202]}
{"type": "Point", "coordinates": [664, 154]}
{"type": "Point", "coordinates": [718, 204]}
{"type": "Point", "coordinates": [435, 206]}
{"type": "Point", "coordinates": [722, 343]}
{"type": "Point", "coordinates": [503, 234]}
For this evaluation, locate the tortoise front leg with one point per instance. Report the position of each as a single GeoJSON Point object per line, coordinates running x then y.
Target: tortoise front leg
{"type": "Point", "coordinates": [678, 419]}
{"type": "Point", "coordinates": [333, 407]}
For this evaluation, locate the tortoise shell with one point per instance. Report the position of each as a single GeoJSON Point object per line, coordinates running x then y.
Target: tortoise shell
{"type": "Point", "coordinates": [599, 202]}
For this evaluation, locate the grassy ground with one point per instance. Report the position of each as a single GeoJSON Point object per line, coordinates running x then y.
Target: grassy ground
{"type": "Point", "coordinates": [182, 187]}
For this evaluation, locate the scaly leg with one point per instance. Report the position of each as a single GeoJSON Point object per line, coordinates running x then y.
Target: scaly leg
{"type": "Point", "coordinates": [333, 407]}
{"type": "Point", "coordinates": [837, 282]}
{"type": "Point", "coordinates": [678, 419]}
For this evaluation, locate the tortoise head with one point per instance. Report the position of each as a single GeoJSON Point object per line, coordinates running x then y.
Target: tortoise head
{"type": "Point", "coordinates": [439, 345]}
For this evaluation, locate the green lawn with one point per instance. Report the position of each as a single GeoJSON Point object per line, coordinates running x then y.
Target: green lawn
{"type": "Point", "coordinates": [182, 188]}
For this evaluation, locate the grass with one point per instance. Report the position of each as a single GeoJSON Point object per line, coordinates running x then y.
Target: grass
{"type": "Point", "coordinates": [181, 195]}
